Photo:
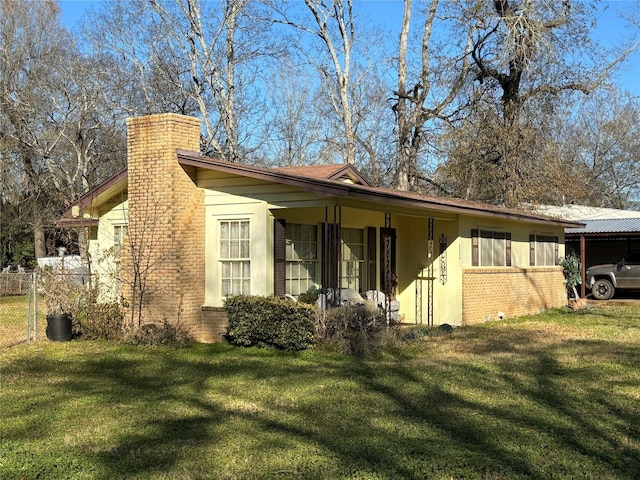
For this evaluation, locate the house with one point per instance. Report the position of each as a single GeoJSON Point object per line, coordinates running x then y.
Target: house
{"type": "Point", "coordinates": [193, 230]}
{"type": "Point", "coordinates": [606, 236]}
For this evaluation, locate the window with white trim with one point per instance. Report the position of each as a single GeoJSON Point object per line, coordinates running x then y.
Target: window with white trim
{"type": "Point", "coordinates": [491, 249]}
{"type": "Point", "coordinates": [119, 234]}
{"type": "Point", "coordinates": [353, 259]}
{"type": "Point", "coordinates": [235, 258]}
{"type": "Point", "coordinates": [301, 256]}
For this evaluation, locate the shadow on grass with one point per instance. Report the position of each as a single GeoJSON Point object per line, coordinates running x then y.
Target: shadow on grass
{"type": "Point", "coordinates": [508, 409]}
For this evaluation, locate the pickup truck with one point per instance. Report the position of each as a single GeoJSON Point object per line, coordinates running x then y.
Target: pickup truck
{"type": "Point", "coordinates": [604, 280]}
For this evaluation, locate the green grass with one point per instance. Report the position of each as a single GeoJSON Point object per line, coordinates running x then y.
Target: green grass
{"type": "Point", "coordinates": [13, 319]}
{"type": "Point", "coordinates": [551, 396]}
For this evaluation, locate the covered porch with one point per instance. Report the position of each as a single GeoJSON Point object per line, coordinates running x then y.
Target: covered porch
{"type": "Point", "coordinates": [337, 249]}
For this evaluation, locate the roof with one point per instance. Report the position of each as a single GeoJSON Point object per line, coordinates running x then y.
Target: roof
{"type": "Point", "coordinates": [76, 222]}
{"type": "Point", "coordinates": [609, 225]}
{"type": "Point", "coordinates": [114, 185]}
{"type": "Point", "coordinates": [584, 212]}
{"type": "Point", "coordinates": [337, 171]}
{"type": "Point", "coordinates": [324, 181]}
{"type": "Point", "coordinates": [327, 187]}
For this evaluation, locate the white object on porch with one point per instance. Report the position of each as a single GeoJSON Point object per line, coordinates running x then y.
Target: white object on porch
{"type": "Point", "coordinates": [380, 299]}
{"type": "Point", "coordinates": [346, 296]}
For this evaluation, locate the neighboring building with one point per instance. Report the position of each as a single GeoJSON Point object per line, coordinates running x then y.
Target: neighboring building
{"type": "Point", "coordinates": [607, 236]}
{"type": "Point", "coordinates": [202, 229]}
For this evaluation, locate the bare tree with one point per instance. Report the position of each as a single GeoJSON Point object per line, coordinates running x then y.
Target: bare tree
{"type": "Point", "coordinates": [188, 56]}
{"type": "Point", "coordinates": [375, 133]}
{"type": "Point", "coordinates": [603, 140]}
{"type": "Point", "coordinates": [339, 50]}
{"type": "Point", "coordinates": [91, 146]}
{"type": "Point", "coordinates": [295, 124]}
{"type": "Point", "coordinates": [34, 50]}
{"type": "Point", "coordinates": [521, 55]}
{"type": "Point", "coordinates": [149, 74]}
{"type": "Point", "coordinates": [141, 259]}
{"type": "Point", "coordinates": [429, 94]}
{"type": "Point", "coordinates": [332, 23]}
{"type": "Point", "coordinates": [475, 147]}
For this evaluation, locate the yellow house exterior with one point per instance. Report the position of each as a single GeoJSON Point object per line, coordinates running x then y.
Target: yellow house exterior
{"type": "Point", "coordinates": [214, 228]}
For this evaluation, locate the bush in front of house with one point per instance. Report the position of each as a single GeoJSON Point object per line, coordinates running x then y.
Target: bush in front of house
{"type": "Point", "coordinates": [153, 335]}
{"type": "Point", "coordinates": [270, 321]}
{"type": "Point", "coordinates": [93, 321]}
{"type": "Point", "coordinates": [358, 329]}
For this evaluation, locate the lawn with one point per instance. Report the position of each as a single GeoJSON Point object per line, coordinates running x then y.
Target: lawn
{"type": "Point", "coordinates": [13, 319]}
{"type": "Point", "coordinates": [550, 396]}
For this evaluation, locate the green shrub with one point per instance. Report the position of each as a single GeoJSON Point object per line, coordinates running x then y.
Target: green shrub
{"type": "Point", "coordinates": [269, 321]}
{"type": "Point", "coordinates": [359, 330]}
{"type": "Point", "coordinates": [310, 296]}
{"type": "Point", "coordinates": [151, 334]}
{"type": "Point", "coordinates": [94, 321]}
{"type": "Point", "coordinates": [572, 276]}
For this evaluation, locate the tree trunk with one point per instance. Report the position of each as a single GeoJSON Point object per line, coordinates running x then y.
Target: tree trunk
{"type": "Point", "coordinates": [38, 235]}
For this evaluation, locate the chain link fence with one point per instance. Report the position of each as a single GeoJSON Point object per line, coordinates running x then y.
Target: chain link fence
{"type": "Point", "coordinates": [21, 315]}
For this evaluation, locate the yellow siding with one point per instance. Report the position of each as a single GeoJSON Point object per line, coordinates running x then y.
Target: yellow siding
{"type": "Point", "coordinates": [414, 272]}
{"type": "Point", "coordinates": [101, 249]}
{"type": "Point", "coordinates": [247, 199]}
{"type": "Point", "coordinates": [520, 232]}
{"type": "Point", "coordinates": [224, 189]}
{"type": "Point", "coordinates": [513, 291]}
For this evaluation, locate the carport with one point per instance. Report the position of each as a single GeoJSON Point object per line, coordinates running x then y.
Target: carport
{"type": "Point", "coordinates": [602, 241]}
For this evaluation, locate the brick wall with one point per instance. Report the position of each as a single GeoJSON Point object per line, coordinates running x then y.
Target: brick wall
{"type": "Point", "coordinates": [214, 323]}
{"type": "Point", "coordinates": [164, 256]}
{"type": "Point", "coordinates": [513, 291]}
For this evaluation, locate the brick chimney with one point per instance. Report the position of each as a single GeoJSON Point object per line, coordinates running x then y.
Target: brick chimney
{"type": "Point", "coordinates": [163, 259]}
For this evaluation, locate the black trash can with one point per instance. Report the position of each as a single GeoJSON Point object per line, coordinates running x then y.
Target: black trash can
{"type": "Point", "coordinates": [59, 327]}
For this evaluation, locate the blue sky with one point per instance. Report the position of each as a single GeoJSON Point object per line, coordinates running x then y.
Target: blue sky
{"type": "Point", "coordinates": [610, 29]}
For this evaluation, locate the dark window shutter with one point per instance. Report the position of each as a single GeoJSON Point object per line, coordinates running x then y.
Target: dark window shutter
{"type": "Point", "coordinates": [330, 255]}
{"type": "Point", "coordinates": [508, 250]}
{"type": "Point", "coordinates": [371, 258]}
{"type": "Point", "coordinates": [475, 254]}
{"type": "Point", "coordinates": [532, 250]}
{"type": "Point", "coordinates": [556, 251]}
{"type": "Point", "coordinates": [279, 256]}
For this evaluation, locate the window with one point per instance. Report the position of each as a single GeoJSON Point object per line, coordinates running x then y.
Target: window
{"type": "Point", "coordinates": [301, 254]}
{"type": "Point", "coordinates": [543, 250]}
{"type": "Point", "coordinates": [353, 259]}
{"type": "Point", "coordinates": [234, 257]}
{"type": "Point", "coordinates": [119, 234]}
{"type": "Point", "coordinates": [490, 249]}
{"type": "Point", "coordinates": [340, 258]}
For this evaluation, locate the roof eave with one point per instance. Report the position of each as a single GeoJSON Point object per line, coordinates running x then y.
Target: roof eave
{"type": "Point", "coordinates": [333, 188]}
{"type": "Point", "coordinates": [76, 222]}
{"type": "Point", "coordinates": [112, 183]}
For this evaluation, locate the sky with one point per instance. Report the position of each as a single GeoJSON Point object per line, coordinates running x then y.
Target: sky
{"type": "Point", "coordinates": [610, 29]}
